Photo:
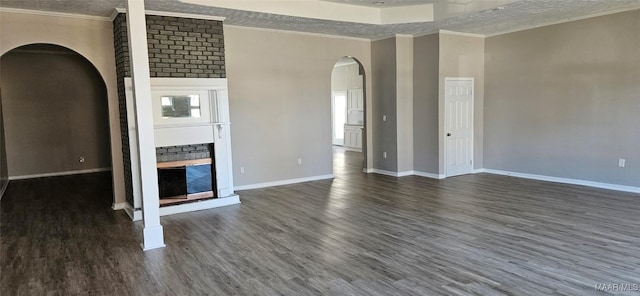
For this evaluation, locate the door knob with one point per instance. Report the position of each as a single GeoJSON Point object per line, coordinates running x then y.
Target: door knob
{"type": "Point", "coordinates": [448, 134]}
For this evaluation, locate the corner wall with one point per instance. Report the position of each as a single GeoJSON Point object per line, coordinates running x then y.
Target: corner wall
{"type": "Point", "coordinates": [426, 55]}
{"type": "Point", "coordinates": [384, 80]}
{"type": "Point", "coordinates": [563, 100]}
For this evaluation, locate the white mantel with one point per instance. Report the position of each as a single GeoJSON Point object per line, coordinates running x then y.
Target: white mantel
{"type": "Point", "coordinates": [215, 128]}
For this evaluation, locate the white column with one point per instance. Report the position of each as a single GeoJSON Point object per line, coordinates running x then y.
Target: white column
{"type": "Point", "coordinates": [153, 236]}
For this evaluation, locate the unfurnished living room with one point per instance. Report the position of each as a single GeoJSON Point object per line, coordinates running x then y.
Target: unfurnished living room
{"type": "Point", "coordinates": [320, 147]}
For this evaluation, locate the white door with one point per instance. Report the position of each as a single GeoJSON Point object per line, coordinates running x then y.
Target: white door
{"type": "Point", "coordinates": [458, 126]}
{"type": "Point", "coordinates": [338, 116]}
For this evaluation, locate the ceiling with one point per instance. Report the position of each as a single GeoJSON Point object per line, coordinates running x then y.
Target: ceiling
{"type": "Point", "coordinates": [516, 15]}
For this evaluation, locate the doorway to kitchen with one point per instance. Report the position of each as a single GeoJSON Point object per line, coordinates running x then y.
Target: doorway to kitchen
{"type": "Point", "coordinates": [348, 106]}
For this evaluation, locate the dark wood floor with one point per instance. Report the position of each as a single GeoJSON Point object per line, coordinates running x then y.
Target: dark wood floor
{"type": "Point", "coordinates": [358, 234]}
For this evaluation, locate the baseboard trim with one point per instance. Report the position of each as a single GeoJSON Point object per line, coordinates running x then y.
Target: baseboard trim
{"type": "Point", "coordinates": [283, 182]}
{"type": "Point", "coordinates": [429, 175]}
{"type": "Point", "coordinates": [602, 185]}
{"type": "Point", "coordinates": [201, 205]}
{"type": "Point", "coordinates": [67, 173]}
{"type": "Point", "coordinates": [407, 173]}
{"type": "Point", "coordinates": [118, 206]}
{"type": "Point", "coordinates": [134, 214]}
{"type": "Point", "coordinates": [385, 172]}
{"type": "Point", "coordinates": [368, 171]}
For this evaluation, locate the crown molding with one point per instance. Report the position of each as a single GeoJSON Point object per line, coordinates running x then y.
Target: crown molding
{"type": "Point", "coordinates": [119, 10]}
{"type": "Point", "coordinates": [447, 32]}
{"type": "Point", "coordinates": [55, 14]}
{"type": "Point", "coordinates": [563, 21]}
{"type": "Point", "coordinates": [298, 33]}
{"type": "Point", "coordinates": [404, 36]}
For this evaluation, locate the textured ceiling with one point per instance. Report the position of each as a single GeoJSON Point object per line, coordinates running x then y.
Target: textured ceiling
{"type": "Point", "coordinates": [517, 15]}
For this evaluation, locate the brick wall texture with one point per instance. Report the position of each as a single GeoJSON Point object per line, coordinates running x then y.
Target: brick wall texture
{"type": "Point", "coordinates": [185, 152]}
{"type": "Point", "coordinates": [178, 47]}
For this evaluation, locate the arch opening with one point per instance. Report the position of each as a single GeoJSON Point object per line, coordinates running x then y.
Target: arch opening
{"type": "Point", "coordinates": [348, 110]}
{"type": "Point", "coordinates": [55, 107]}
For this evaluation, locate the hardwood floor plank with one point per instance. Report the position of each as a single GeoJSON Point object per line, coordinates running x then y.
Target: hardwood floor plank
{"type": "Point", "coordinates": [358, 234]}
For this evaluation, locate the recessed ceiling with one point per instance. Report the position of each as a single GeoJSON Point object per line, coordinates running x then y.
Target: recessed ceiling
{"type": "Point", "coordinates": [516, 15]}
{"type": "Point", "coordinates": [330, 10]}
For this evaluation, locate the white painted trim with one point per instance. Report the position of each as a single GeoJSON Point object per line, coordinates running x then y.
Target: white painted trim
{"type": "Point", "coordinates": [478, 171]}
{"type": "Point", "coordinates": [283, 182]}
{"type": "Point", "coordinates": [67, 173]}
{"type": "Point", "coordinates": [300, 33]}
{"type": "Point", "coordinates": [447, 32]}
{"type": "Point", "coordinates": [425, 34]}
{"type": "Point", "coordinates": [186, 15]}
{"type": "Point", "coordinates": [429, 175]}
{"type": "Point", "coordinates": [119, 206]}
{"type": "Point", "coordinates": [153, 237]}
{"type": "Point", "coordinates": [405, 173]}
{"type": "Point", "coordinates": [404, 35]}
{"type": "Point", "coordinates": [563, 21]}
{"type": "Point", "coordinates": [56, 14]}
{"type": "Point", "coordinates": [119, 10]}
{"type": "Point", "coordinates": [200, 205]}
{"type": "Point", "coordinates": [134, 214]}
{"type": "Point", "coordinates": [385, 172]}
{"type": "Point", "coordinates": [565, 180]}
{"type": "Point", "coordinates": [368, 171]}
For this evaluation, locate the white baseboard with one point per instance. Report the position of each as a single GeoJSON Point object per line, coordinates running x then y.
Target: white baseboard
{"type": "Point", "coordinates": [118, 206]}
{"type": "Point", "coordinates": [429, 175]}
{"type": "Point", "coordinates": [565, 180]}
{"type": "Point", "coordinates": [134, 214]}
{"type": "Point", "coordinates": [407, 173]}
{"type": "Point", "coordinates": [385, 172]}
{"type": "Point", "coordinates": [200, 205]}
{"type": "Point", "coordinates": [283, 182]}
{"type": "Point", "coordinates": [368, 171]}
{"type": "Point", "coordinates": [67, 173]}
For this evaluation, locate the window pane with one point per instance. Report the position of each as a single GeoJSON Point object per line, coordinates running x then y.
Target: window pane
{"type": "Point", "coordinates": [180, 106]}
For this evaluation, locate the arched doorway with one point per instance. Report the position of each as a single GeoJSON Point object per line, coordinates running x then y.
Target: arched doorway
{"type": "Point", "coordinates": [348, 114]}
{"type": "Point", "coordinates": [56, 119]}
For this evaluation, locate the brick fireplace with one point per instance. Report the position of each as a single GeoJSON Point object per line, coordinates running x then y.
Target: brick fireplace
{"type": "Point", "coordinates": [185, 54]}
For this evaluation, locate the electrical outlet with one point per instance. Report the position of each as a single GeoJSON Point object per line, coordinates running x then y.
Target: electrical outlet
{"type": "Point", "coordinates": [242, 170]}
{"type": "Point", "coordinates": [81, 159]}
{"type": "Point", "coordinates": [384, 154]}
{"type": "Point", "coordinates": [384, 117]}
{"type": "Point", "coordinates": [621, 162]}
{"type": "Point", "coordinates": [299, 161]}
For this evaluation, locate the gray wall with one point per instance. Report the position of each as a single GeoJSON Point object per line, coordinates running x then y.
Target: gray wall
{"type": "Point", "coordinates": [55, 111]}
{"type": "Point", "coordinates": [463, 56]}
{"type": "Point", "coordinates": [564, 100]}
{"type": "Point", "coordinates": [426, 56]}
{"type": "Point", "coordinates": [383, 65]}
{"type": "Point", "coordinates": [280, 101]}
{"type": "Point", "coordinates": [404, 102]}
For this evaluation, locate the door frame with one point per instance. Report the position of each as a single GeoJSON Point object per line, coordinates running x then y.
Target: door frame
{"type": "Point", "coordinates": [444, 126]}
